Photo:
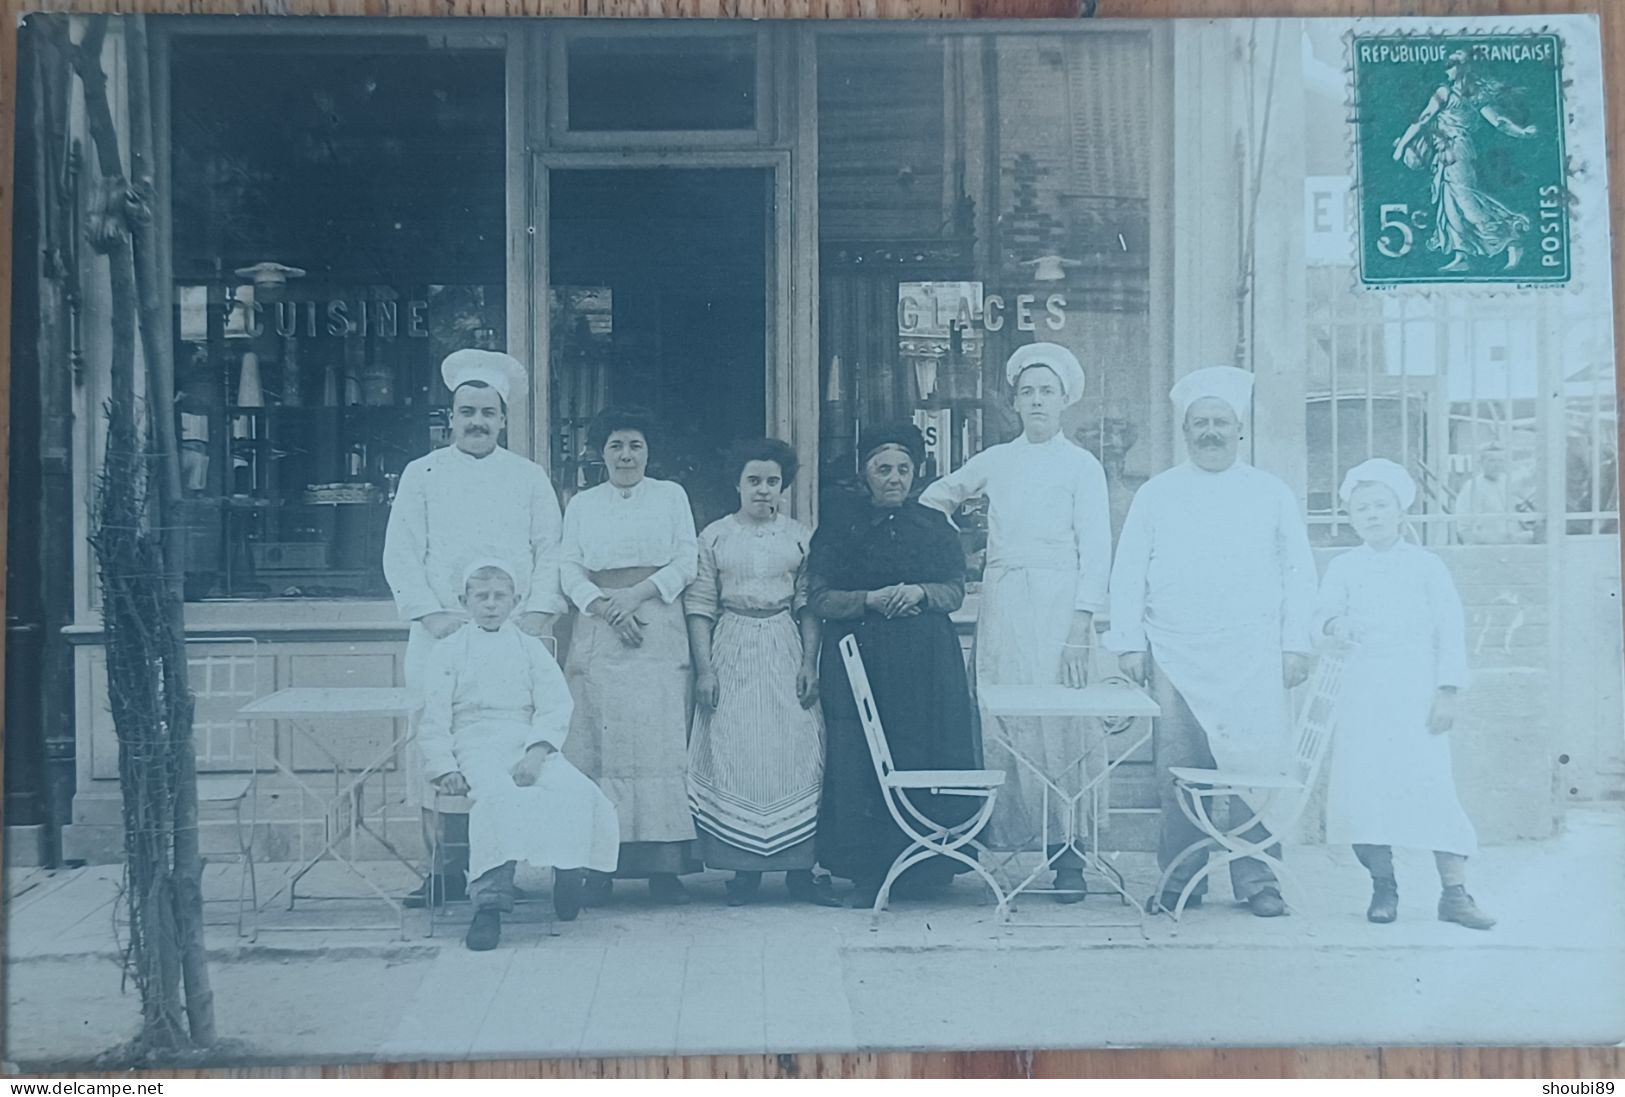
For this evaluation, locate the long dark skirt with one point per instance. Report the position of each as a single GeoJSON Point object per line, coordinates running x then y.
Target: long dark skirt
{"type": "Point", "coordinates": [917, 671]}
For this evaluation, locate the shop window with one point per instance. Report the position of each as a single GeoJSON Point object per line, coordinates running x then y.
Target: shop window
{"type": "Point", "coordinates": [339, 228]}
{"type": "Point", "coordinates": [675, 82]}
{"type": "Point", "coordinates": [975, 195]}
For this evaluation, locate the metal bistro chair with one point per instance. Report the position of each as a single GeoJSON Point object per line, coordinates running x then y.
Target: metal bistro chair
{"type": "Point", "coordinates": [1198, 789]}
{"type": "Point", "coordinates": [927, 838]}
{"type": "Point", "coordinates": [234, 792]}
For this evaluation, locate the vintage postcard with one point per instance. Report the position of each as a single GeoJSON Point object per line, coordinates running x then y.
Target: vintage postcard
{"type": "Point", "coordinates": [584, 538]}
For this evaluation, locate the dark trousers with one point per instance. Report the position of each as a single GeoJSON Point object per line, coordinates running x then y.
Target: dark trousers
{"type": "Point", "coordinates": [1379, 862]}
{"type": "Point", "coordinates": [452, 859]}
{"type": "Point", "coordinates": [494, 889]}
{"type": "Point", "coordinates": [1179, 740]}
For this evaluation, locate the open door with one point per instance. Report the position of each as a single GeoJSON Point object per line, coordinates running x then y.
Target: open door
{"type": "Point", "coordinates": [659, 295]}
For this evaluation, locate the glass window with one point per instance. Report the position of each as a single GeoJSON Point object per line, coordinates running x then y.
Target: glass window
{"type": "Point", "coordinates": [977, 194]}
{"type": "Point", "coordinates": [643, 84]}
{"type": "Point", "coordinates": [339, 228]}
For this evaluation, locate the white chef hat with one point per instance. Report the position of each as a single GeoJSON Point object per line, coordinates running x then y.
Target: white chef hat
{"type": "Point", "coordinates": [1380, 470]}
{"type": "Point", "coordinates": [480, 563]}
{"type": "Point", "coordinates": [1233, 386]}
{"type": "Point", "coordinates": [501, 371]}
{"type": "Point", "coordinates": [1056, 357]}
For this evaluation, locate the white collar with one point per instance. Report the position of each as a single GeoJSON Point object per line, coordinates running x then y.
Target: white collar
{"type": "Point", "coordinates": [618, 492]}
{"type": "Point", "coordinates": [462, 455]}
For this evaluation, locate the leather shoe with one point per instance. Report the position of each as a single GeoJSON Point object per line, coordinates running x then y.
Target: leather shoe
{"type": "Point", "coordinates": [568, 886]}
{"type": "Point", "coordinates": [668, 890]}
{"type": "Point", "coordinates": [1384, 906]}
{"type": "Point", "coordinates": [1266, 903]}
{"type": "Point", "coordinates": [484, 931]}
{"type": "Point", "coordinates": [1069, 886]}
{"type": "Point", "coordinates": [1168, 901]}
{"type": "Point", "coordinates": [598, 889]}
{"type": "Point", "coordinates": [742, 888]}
{"type": "Point", "coordinates": [864, 893]}
{"type": "Point", "coordinates": [804, 888]}
{"type": "Point", "coordinates": [1455, 905]}
{"type": "Point", "coordinates": [445, 889]}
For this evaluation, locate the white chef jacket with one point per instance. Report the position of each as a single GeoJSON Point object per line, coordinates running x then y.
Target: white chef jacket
{"type": "Point", "coordinates": [1047, 508]}
{"type": "Point", "coordinates": [1214, 572]}
{"type": "Point", "coordinates": [451, 507]}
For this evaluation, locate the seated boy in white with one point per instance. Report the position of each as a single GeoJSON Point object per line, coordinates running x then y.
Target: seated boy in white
{"type": "Point", "coordinates": [496, 710]}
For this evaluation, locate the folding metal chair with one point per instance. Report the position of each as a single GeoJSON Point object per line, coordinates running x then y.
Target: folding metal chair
{"type": "Point", "coordinates": [927, 838]}
{"type": "Point", "coordinates": [234, 792]}
{"type": "Point", "coordinates": [1282, 797]}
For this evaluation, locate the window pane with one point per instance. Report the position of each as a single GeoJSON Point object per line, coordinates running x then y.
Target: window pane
{"type": "Point", "coordinates": [338, 215]}
{"type": "Point", "coordinates": [976, 195]}
{"type": "Point", "coordinates": [645, 84]}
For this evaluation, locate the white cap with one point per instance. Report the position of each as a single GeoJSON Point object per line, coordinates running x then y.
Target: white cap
{"type": "Point", "coordinates": [1380, 470]}
{"type": "Point", "coordinates": [1056, 357]}
{"type": "Point", "coordinates": [1233, 386]}
{"type": "Point", "coordinates": [479, 563]}
{"type": "Point", "coordinates": [501, 371]}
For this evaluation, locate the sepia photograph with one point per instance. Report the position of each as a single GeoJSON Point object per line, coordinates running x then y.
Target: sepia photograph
{"type": "Point", "coordinates": [565, 538]}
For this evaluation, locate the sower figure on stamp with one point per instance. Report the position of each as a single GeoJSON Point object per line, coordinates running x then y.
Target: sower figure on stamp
{"type": "Point", "coordinates": [496, 711]}
{"type": "Point", "coordinates": [473, 496]}
{"type": "Point", "coordinates": [1212, 594]}
{"type": "Point", "coordinates": [1468, 222]}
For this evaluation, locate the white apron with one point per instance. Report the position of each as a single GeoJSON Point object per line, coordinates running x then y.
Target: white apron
{"type": "Point", "coordinates": [561, 821]}
{"type": "Point", "coordinates": [1025, 617]}
{"type": "Point", "coordinates": [1391, 780]}
{"type": "Point", "coordinates": [1231, 679]}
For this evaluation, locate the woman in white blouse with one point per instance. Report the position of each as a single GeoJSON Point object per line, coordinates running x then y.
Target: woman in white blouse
{"type": "Point", "coordinates": [628, 552]}
{"type": "Point", "coordinates": [1048, 560]}
{"type": "Point", "coordinates": [756, 762]}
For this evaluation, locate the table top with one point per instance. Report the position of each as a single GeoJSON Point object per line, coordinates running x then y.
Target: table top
{"type": "Point", "coordinates": [310, 702]}
{"type": "Point", "coordinates": [1104, 699]}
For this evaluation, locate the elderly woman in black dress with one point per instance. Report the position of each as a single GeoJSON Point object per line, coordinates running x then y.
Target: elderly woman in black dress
{"type": "Point", "coordinates": [890, 573]}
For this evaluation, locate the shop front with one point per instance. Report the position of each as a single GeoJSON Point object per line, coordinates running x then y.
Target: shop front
{"type": "Point", "coordinates": [790, 229]}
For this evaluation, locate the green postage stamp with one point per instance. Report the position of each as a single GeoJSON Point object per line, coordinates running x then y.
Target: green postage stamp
{"type": "Point", "coordinates": [1462, 177]}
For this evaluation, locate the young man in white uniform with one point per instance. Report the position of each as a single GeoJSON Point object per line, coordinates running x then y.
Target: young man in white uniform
{"type": "Point", "coordinates": [1048, 559]}
{"type": "Point", "coordinates": [473, 497]}
{"type": "Point", "coordinates": [1212, 595]}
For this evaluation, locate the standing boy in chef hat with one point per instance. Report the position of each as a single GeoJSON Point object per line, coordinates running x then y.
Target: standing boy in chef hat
{"type": "Point", "coordinates": [1391, 781]}
{"type": "Point", "coordinates": [496, 711]}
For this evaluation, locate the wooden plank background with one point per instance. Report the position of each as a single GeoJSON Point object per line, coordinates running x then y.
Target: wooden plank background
{"type": "Point", "coordinates": [1555, 1063]}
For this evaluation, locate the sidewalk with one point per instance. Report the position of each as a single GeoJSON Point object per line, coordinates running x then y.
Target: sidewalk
{"type": "Point", "coordinates": [632, 978]}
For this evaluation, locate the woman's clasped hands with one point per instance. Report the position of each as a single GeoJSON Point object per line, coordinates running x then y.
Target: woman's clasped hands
{"type": "Point", "coordinates": [619, 609]}
{"type": "Point", "coordinates": [897, 600]}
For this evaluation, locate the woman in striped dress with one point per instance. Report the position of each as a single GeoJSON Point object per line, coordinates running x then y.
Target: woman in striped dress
{"type": "Point", "coordinates": [756, 758]}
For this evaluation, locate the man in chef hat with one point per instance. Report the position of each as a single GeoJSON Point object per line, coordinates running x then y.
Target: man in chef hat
{"type": "Point", "coordinates": [1212, 595]}
{"type": "Point", "coordinates": [471, 496]}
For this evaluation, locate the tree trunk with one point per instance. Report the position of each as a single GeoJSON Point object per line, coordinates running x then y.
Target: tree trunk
{"type": "Point", "coordinates": [141, 579]}
{"type": "Point", "coordinates": [153, 293]}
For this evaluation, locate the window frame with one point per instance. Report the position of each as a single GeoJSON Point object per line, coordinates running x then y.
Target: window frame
{"type": "Point", "coordinates": [557, 82]}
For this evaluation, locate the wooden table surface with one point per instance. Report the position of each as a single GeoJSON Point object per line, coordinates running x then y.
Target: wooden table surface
{"type": "Point", "coordinates": [1553, 1063]}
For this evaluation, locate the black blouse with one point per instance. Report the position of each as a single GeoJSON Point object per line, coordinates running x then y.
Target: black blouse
{"type": "Point", "coordinates": [877, 547]}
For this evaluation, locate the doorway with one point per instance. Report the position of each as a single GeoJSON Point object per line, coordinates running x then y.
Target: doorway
{"type": "Point", "coordinates": [658, 296]}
